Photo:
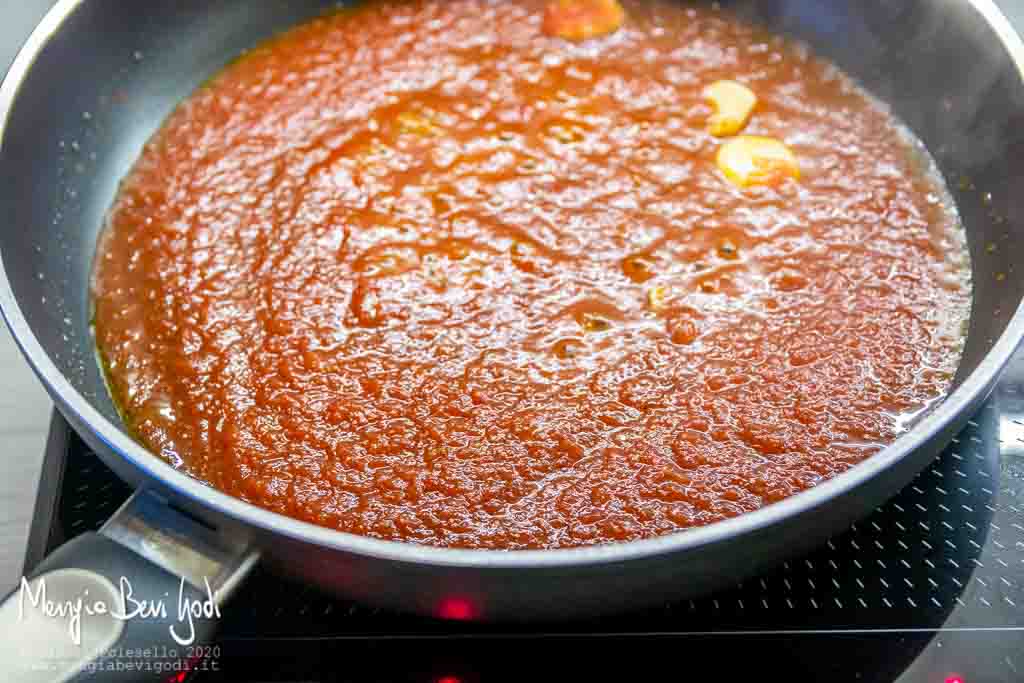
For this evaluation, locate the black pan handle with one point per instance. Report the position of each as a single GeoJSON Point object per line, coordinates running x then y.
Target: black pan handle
{"type": "Point", "coordinates": [138, 601]}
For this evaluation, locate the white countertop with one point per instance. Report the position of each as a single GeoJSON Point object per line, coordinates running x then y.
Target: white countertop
{"type": "Point", "coordinates": [24, 417]}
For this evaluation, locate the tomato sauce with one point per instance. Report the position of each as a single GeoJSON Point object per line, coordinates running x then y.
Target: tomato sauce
{"type": "Point", "coordinates": [420, 271]}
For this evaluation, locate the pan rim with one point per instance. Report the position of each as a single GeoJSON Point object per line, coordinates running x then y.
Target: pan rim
{"type": "Point", "coordinates": [72, 403]}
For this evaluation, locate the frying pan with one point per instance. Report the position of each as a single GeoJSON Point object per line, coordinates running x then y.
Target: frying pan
{"type": "Point", "coordinates": [94, 82]}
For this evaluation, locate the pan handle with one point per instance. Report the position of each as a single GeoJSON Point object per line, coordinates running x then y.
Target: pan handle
{"type": "Point", "coordinates": [138, 601]}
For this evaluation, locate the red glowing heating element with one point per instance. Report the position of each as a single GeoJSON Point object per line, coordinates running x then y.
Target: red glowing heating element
{"type": "Point", "coordinates": [954, 679]}
{"type": "Point", "coordinates": [449, 679]}
{"type": "Point", "coordinates": [456, 608]}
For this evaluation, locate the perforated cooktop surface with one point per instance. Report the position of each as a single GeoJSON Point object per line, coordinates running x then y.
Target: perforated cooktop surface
{"type": "Point", "coordinates": [928, 588]}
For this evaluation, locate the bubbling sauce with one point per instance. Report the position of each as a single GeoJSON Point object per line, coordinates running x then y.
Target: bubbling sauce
{"type": "Point", "coordinates": [420, 271]}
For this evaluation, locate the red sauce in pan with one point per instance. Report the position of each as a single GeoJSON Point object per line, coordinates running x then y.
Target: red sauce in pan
{"type": "Point", "coordinates": [421, 272]}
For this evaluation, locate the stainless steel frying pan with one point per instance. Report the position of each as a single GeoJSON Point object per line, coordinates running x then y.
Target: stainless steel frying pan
{"type": "Point", "coordinates": [94, 82]}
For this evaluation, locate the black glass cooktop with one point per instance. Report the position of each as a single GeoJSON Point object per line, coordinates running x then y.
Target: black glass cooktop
{"type": "Point", "coordinates": [928, 588]}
